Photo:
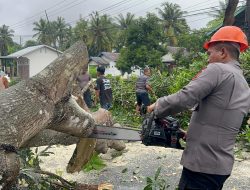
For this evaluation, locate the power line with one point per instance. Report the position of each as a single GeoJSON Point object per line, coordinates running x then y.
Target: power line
{"type": "Point", "coordinates": [105, 9]}
{"type": "Point", "coordinates": [114, 6]}
{"type": "Point", "coordinates": [37, 14]}
{"type": "Point", "coordinates": [198, 4]}
{"type": "Point", "coordinates": [126, 8]}
{"type": "Point", "coordinates": [67, 6]}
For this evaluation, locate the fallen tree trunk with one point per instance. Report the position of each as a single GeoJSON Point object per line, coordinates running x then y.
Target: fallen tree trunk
{"type": "Point", "coordinates": [41, 102]}
{"type": "Point", "coordinates": [41, 111]}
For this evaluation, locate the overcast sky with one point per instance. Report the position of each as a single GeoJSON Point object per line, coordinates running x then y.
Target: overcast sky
{"type": "Point", "coordinates": [19, 15]}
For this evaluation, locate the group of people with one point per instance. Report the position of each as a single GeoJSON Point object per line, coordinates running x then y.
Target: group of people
{"type": "Point", "coordinates": [103, 90]}
{"type": "Point", "coordinates": [219, 97]}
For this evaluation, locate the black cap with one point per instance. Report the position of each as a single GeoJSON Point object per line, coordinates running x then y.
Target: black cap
{"type": "Point", "coordinates": [101, 69]}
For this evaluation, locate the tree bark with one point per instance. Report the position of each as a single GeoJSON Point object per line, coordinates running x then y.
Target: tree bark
{"type": "Point", "coordinates": [42, 102]}
{"type": "Point", "coordinates": [229, 13]}
{"type": "Point", "coordinates": [85, 147]}
{"type": "Point", "coordinates": [41, 111]}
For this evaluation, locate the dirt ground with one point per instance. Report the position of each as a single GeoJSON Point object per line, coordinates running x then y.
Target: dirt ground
{"type": "Point", "coordinates": [129, 170]}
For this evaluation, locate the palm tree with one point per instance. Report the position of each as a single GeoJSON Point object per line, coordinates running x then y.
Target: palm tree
{"type": "Point", "coordinates": [44, 33]}
{"type": "Point", "coordinates": [100, 33]}
{"type": "Point", "coordinates": [125, 22]}
{"type": "Point", "coordinates": [123, 25]}
{"type": "Point", "coordinates": [6, 35]}
{"type": "Point", "coordinates": [173, 21]}
{"type": "Point", "coordinates": [81, 30]}
{"type": "Point", "coordinates": [62, 31]}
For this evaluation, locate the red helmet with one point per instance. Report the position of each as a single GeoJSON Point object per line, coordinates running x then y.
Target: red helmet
{"type": "Point", "coordinates": [229, 34]}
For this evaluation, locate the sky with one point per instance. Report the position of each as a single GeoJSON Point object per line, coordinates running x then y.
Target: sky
{"type": "Point", "coordinates": [20, 15]}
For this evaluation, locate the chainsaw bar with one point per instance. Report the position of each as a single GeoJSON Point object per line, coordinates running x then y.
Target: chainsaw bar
{"type": "Point", "coordinates": [115, 133]}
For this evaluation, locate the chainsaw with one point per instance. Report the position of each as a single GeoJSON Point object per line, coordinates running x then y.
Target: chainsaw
{"type": "Point", "coordinates": [154, 131]}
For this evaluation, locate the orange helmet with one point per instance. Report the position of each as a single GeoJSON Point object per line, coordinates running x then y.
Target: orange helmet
{"type": "Point", "coordinates": [229, 34]}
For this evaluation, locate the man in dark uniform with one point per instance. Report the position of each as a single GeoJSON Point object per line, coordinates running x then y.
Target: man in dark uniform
{"type": "Point", "coordinates": [103, 89]}
{"type": "Point", "coordinates": [222, 98]}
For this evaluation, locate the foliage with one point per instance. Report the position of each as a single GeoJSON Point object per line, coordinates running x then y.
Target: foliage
{"type": "Point", "coordinates": [214, 23]}
{"type": "Point", "coordinates": [193, 41]}
{"type": "Point", "coordinates": [62, 33]}
{"type": "Point", "coordinates": [30, 43]}
{"type": "Point", "coordinates": [13, 81]}
{"type": "Point", "coordinates": [6, 41]}
{"type": "Point", "coordinates": [163, 83]}
{"type": "Point", "coordinates": [181, 75]}
{"type": "Point", "coordinates": [80, 31]}
{"type": "Point", "coordinates": [124, 92]}
{"type": "Point", "coordinates": [159, 83]}
{"type": "Point", "coordinates": [31, 175]}
{"type": "Point", "coordinates": [173, 21]}
{"type": "Point", "coordinates": [55, 33]}
{"type": "Point", "coordinates": [95, 163]}
{"type": "Point", "coordinates": [124, 101]}
{"type": "Point", "coordinates": [126, 117]}
{"type": "Point", "coordinates": [156, 182]}
{"type": "Point", "coordinates": [142, 47]}
{"type": "Point", "coordinates": [101, 28]}
{"type": "Point", "coordinates": [123, 24]}
{"type": "Point", "coordinates": [244, 136]}
{"type": "Point", "coordinates": [92, 71]}
{"type": "Point", "coordinates": [244, 60]}
{"type": "Point", "coordinates": [43, 33]}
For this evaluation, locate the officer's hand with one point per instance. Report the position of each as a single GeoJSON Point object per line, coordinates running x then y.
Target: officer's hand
{"type": "Point", "coordinates": [150, 108]}
{"type": "Point", "coordinates": [184, 133]}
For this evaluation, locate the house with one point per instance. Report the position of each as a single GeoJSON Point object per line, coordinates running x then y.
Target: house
{"type": "Point", "coordinates": [108, 60]}
{"type": "Point", "coordinates": [168, 59]}
{"type": "Point", "coordinates": [29, 61]}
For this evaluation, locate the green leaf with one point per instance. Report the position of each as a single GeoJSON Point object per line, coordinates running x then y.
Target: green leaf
{"type": "Point", "coordinates": [148, 187]}
{"type": "Point", "coordinates": [149, 180]}
{"type": "Point", "coordinates": [95, 163]}
{"type": "Point", "coordinates": [157, 173]}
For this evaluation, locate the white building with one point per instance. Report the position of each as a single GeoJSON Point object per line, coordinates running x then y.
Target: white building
{"type": "Point", "coordinates": [30, 61]}
{"type": "Point", "coordinates": [108, 60]}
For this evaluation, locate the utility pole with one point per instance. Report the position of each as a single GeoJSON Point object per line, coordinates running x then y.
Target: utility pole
{"type": "Point", "coordinates": [247, 19]}
{"type": "Point", "coordinates": [20, 40]}
{"type": "Point", "coordinates": [53, 41]}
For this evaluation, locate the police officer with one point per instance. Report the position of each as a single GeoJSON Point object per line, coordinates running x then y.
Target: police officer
{"type": "Point", "coordinates": [222, 99]}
